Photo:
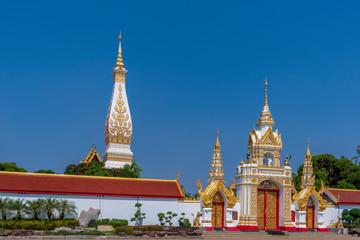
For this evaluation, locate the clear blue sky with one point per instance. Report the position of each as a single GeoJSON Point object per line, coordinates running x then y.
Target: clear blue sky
{"type": "Point", "coordinates": [194, 66]}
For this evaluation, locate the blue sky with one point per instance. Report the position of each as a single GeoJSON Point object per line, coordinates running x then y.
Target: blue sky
{"type": "Point", "coordinates": [194, 66]}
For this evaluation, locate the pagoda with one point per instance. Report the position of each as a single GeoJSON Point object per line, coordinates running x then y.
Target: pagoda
{"type": "Point", "coordinates": [118, 126]}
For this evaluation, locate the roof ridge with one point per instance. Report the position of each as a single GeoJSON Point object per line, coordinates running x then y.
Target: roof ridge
{"type": "Point", "coordinates": [84, 176]}
{"type": "Point", "coordinates": [342, 189]}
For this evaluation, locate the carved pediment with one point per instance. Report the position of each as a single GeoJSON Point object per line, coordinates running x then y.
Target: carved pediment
{"type": "Point", "coordinates": [214, 187]}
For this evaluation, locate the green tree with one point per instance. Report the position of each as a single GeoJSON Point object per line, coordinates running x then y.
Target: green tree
{"type": "Point", "coordinates": [45, 171]}
{"type": "Point", "coordinates": [5, 206]}
{"type": "Point", "coordinates": [138, 216]}
{"type": "Point", "coordinates": [169, 217]}
{"type": "Point", "coordinates": [133, 170]}
{"type": "Point", "coordinates": [66, 207]}
{"type": "Point", "coordinates": [11, 167]}
{"type": "Point", "coordinates": [19, 207]}
{"type": "Point", "coordinates": [161, 217]}
{"type": "Point", "coordinates": [296, 181]}
{"type": "Point", "coordinates": [50, 206]}
{"type": "Point", "coordinates": [343, 184]}
{"type": "Point", "coordinates": [98, 169]}
{"type": "Point", "coordinates": [346, 216]}
{"type": "Point", "coordinates": [35, 207]}
{"type": "Point", "coordinates": [336, 173]}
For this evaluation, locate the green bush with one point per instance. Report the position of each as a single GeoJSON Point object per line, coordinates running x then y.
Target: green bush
{"type": "Point", "coordinates": [148, 228]}
{"type": "Point", "coordinates": [129, 230]}
{"type": "Point", "coordinates": [28, 224]}
{"type": "Point", "coordinates": [113, 222]}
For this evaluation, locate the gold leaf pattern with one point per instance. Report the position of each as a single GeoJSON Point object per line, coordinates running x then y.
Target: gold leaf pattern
{"type": "Point", "coordinates": [260, 209]}
{"type": "Point", "coordinates": [119, 130]}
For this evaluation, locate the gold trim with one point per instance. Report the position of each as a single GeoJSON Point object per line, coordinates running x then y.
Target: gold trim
{"type": "Point", "coordinates": [83, 176]}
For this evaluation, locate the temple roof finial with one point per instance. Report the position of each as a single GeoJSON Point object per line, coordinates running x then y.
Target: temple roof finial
{"type": "Point", "coordinates": [217, 144]}
{"type": "Point", "coordinates": [308, 154]}
{"type": "Point", "coordinates": [266, 101]}
{"type": "Point", "coordinates": [119, 62]}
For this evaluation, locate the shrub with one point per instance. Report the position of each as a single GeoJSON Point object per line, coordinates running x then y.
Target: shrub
{"type": "Point", "coordinates": [27, 224]}
{"type": "Point", "coordinates": [129, 230]}
{"type": "Point", "coordinates": [113, 222]}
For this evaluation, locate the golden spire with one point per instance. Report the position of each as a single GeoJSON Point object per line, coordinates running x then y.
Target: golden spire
{"type": "Point", "coordinates": [216, 171]}
{"type": "Point", "coordinates": [308, 178]}
{"type": "Point", "coordinates": [265, 116]}
{"type": "Point", "coordinates": [217, 144]}
{"type": "Point", "coordinates": [266, 101]}
{"type": "Point", "coordinates": [308, 154]}
{"type": "Point", "coordinates": [119, 62]}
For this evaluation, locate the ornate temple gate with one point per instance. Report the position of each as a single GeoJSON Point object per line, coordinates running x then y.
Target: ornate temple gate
{"type": "Point", "coordinates": [310, 214]}
{"type": "Point", "coordinates": [217, 213]}
{"type": "Point", "coordinates": [268, 207]}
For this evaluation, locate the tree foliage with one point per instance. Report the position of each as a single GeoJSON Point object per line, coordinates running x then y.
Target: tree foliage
{"type": "Point", "coordinates": [45, 171]}
{"type": "Point", "coordinates": [351, 217]}
{"type": "Point", "coordinates": [335, 173]}
{"type": "Point", "coordinates": [11, 167]}
{"type": "Point", "coordinates": [98, 169]}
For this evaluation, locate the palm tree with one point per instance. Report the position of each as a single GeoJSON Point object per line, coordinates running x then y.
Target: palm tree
{"type": "Point", "coordinates": [66, 207]}
{"type": "Point", "coordinates": [133, 169]}
{"type": "Point", "coordinates": [19, 207]}
{"type": "Point", "coordinates": [4, 206]}
{"type": "Point", "coordinates": [49, 206]}
{"type": "Point", "coordinates": [35, 207]}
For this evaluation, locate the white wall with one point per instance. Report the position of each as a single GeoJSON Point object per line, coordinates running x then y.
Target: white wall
{"type": "Point", "coordinates": [189, 208]}
{"type": "Point", "coordinates": [121, 207]}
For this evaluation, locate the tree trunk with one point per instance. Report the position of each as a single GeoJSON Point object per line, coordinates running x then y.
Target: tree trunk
{"type": "Point", "coordinates": [49, 215]}
{"type": "Point", "coordinates": [3, 215]}
{"type": "Point", "coordinates": [62, 215]}
{"type": "Point", "coordinates": [36, 216]}
{"type": "Point", "coordinates": [18, 216]}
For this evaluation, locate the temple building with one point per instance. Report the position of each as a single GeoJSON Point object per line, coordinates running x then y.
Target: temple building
{"type": "Point", "coordinates": [262, 184]}
{"type": "Point", "coordinates": [309, 203]}
{"type": "Point", "coordinates": [217, 201]}
{"type": "Point", "coordinates": [261, 197]}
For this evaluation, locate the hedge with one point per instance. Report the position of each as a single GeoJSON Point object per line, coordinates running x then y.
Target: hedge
{"type": "Point", "coordinates": [129, 230]}
{"type": "Point", "coordinates": [113, 222]}
{"type": "Point", "coordinates": [28, 224]}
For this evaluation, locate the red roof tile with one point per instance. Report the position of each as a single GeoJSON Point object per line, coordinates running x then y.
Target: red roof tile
{"type": "Point", "coordinates": [87, 185]}
{"type": "Point", "coordinates": [345, 196]}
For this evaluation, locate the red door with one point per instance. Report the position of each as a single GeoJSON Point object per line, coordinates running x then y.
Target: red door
{"type": "Point", "coordinates": [268, 209]}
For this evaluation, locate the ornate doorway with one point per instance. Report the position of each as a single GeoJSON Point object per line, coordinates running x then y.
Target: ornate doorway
{"type": "Point", "coordinates": [217, 213]}
{"type": "Point", "coordinates": [310, 214]}
{"type": "Point", "coordinates": [268, 206]}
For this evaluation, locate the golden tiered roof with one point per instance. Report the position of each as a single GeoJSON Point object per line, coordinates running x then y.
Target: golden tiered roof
{"type": "Point", "coordinates": [270, 137]}
{"type": "Point", "coordinates": [93, 156]}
